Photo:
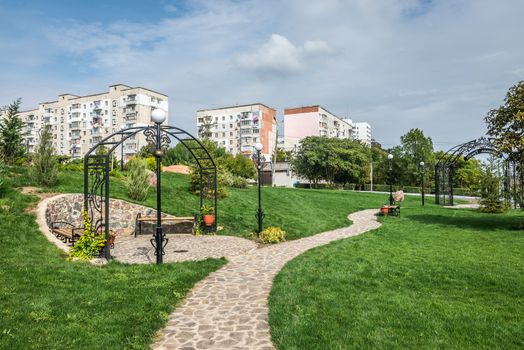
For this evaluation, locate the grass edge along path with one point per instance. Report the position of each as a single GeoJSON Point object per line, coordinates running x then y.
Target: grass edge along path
{"type": "Point", "coordinates": [435, 278]}
{"type": "Point", "coordinates": [48, 302]}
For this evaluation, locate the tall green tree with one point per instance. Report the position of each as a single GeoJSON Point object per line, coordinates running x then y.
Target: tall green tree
{"type": "Point", "coordinates": [45, 165]}
{"type": "Point", "coordinates": [414, 148]}
{"type": "Point", "coordinates": [506, 123]}
{"type": "Point", "coordinates": [11, 135]}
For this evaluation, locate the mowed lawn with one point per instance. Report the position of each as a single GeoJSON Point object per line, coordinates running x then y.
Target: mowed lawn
{"type": "Point", "coordinates": [434, 279]}
{"type": "Point", "coordinates": [47, 302]}
{"type": "Point", "coordinates": [300, 212]}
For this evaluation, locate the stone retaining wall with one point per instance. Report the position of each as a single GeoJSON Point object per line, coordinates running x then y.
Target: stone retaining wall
{"type": "Point", "coordinates": [122, 215]}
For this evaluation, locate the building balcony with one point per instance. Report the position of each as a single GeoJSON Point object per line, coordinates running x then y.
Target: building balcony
{"type": "Point", "coordinates": [131, 116]}
{"type": "Point", "coordinates": [75, 116]}
{"type": "Point", "coordinates": [75, 136]}
{"type": "Point", "coordinates": [75, 126]}
{"type": "Point", "coordinates": [96, 131]}
{"type": "Point", "coordinates": [132, 100]}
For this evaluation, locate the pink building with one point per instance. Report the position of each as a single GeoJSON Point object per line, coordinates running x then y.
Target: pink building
{"type": "Point", "coordinates": [313, 121]}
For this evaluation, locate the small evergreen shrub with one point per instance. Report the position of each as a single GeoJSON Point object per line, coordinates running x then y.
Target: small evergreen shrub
{"type": "Point", "coordinates": [137, 183]}
{"type": "Point", "coordinates": [272, 235]}
{"type": "Point", "coordinates": [90, 244]}
{"type": "Point", "coordinates": [45, 165]}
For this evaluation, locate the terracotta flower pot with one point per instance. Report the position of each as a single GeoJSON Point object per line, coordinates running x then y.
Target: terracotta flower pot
{"type": "Point", "coordinates": [384, 211]}
{"type": "Point", "coordinates": [209, 220]}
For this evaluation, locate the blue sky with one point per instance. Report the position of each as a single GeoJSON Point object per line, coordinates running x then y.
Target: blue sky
{"type": "Point", "coordinates": [398, 64]}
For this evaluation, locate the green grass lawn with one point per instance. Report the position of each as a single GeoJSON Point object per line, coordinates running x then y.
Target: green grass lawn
{"type": "Point", "coordinates": [300, 212]}
{"type": "Point", "coordinates": [47, 302]}
{"type": "Point", "coordinates": [435, 278]}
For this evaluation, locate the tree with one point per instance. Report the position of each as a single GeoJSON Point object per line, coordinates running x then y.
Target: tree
{"type": "Point", "coordinates": [416, 147]}
{"type": "Point", "coordinates": [282, 155]}
{"type": "Point", "coordinates": [240, 166]}
{"type": "Point", "coordinates": [11, 139]}
{"type": "Point", "coordinates": [506, 123]}
{"type": "Point", "coordinates": [177, 155]}
{"type": "Point", "coordinates": [332, 160]}
{"type": "Point", "coordinates": [45, 164]}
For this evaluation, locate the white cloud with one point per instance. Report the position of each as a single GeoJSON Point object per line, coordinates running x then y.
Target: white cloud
{"type": "Point", "coordinates": [397, 64]}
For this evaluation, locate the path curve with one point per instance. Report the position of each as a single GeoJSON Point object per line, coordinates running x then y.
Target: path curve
{"type": "Point", "coordinates": [229, 308]}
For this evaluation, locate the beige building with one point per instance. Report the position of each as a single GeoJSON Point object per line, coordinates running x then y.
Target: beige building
{"type": "Point", "coordinates": [79, 122]}
{"type": "Point", "coordinates": [238, 128]}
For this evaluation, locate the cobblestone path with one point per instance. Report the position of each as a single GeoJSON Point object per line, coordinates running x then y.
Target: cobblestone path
{"type": "Point", "coordinates": [229, 309]}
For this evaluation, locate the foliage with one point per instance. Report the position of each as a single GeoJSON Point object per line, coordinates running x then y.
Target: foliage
{"type": "Point", "coordinates": [282, 155]}
{"type": "Point", "coordinates": [90, 243]}
{"type": "Point", "coordinates": [332, 160]}
{"type": "Point", "coordinates": [137, 183]}
{"type": "Point", "coordinates": [239, 165]}
{"type": "Point", "coordinates": [151, 164]}
{"type": "Point", "coordinates": [177, 155]}
{"type": "Point", "coordinates": [12, 145]}
{"type": "Point", "coordinates": [45, 165]}
{"type": "Point", "coordinates": [74, 165]}
{"type": "Point", "coordinates": [490, 194]}
{"type": "Point", "coordinates": [146, 151]}
{"type": "Point", "coordinates": [414, 148]}
{"type": "Point", "coordinates": [207, 210]}
{"type": "Point", "coordinates": [272, 235]}
{"type": "Point", "coordinates": [207, 183]}
{"type": "Point", "coordinates": [506, 123]}
{"type": "Point", "coordinates": [235, 181]}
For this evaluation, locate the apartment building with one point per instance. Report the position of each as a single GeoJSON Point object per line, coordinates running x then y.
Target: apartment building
{"type": "Point", "coordinates": [362, 132]}
{"type": "Point", "coordinates": [238, 128]}
{"type": "Point", "coordinates": [80, 122]}
{"type": "Point", "coordinates": [306, 121]}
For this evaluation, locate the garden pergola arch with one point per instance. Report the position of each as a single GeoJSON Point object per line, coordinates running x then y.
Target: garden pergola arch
{"type": "Point", "coordinates": [97, 163]}
{"type": "Point", "coordinates": [445, 167]}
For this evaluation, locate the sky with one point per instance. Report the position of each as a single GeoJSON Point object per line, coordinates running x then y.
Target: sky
{"type": "Point", "coordinates": [397, 64]}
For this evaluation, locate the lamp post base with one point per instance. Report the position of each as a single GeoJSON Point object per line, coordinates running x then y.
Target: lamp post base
{"type": "Point", "coordinates": [260, 219]}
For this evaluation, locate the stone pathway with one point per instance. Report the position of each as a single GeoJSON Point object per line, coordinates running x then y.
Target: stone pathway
{"type": "Point", "coordinates": [229, 309]}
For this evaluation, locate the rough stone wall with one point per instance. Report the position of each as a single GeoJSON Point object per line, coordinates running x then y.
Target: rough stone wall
{"type": "Point", "coordinates": [122, 215]}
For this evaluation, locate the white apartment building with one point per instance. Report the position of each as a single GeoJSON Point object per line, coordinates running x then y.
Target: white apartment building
{"type": "Point", "coordinates": [362, 132]}
{"type": "Point", "coordinates": [80, 122]}
{"type": "Point", "coordinates": [238, 128]}
{"type": "Point", "coordinates": [306, 121]}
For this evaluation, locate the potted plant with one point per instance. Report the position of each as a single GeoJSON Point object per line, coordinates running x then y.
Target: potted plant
{"type": "Point", "coordinates": [384, 210]}
{"type": "Point", "coordinates": [208, 216]}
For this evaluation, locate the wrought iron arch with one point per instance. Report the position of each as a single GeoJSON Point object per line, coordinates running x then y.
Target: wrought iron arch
{"type": "Point", "coordinates": [97, 167]}
{"type": "Point", "coordinates": [445, 167]}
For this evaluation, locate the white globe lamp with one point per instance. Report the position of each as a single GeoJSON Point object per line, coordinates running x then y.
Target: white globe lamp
{"type": "Point", "coordinates": [259, 146]}
{"type": "Point", "coordinates": [158, 116]}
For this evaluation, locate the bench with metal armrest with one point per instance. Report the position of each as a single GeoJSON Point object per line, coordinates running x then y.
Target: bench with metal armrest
{"type": "Point", "coordinates": [69, 233]}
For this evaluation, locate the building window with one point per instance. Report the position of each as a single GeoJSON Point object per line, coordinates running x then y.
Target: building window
{"type": "Point", "coordinates": [114, 103]}
{"type": "Point", "coordinates": [216, 135]}
{"type": "Point", "coordinates": [230, 133]}
{"type": "Point", "coordinates": [231, 126]}
{"type": "Point", "coordinates": [114, 111]}
{"type": "Point", "coordinates": [107, 103]}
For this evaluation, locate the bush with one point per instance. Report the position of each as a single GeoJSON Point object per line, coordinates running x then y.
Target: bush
{"type": "Point", "coordinates": [90, 244]}
{"type": "Point", "coordinates": [137, 183]}
{"type": "Point", "coordinates": [272, 235]}
{"type": "Point", "coordinates": [207, 185]}
{"type": "Point", "coordinates": [74, 165]}
{"type": "Point", "coordinates": [151, 164]}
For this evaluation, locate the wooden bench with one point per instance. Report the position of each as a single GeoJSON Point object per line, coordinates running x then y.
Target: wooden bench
{"type": "Point", "coordinates": [69, 233]}
{"type": "Point", "coordinates": [175, 219]}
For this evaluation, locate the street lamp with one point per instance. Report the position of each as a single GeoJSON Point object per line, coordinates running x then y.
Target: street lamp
{"type": "Point", "coordinates": [390, 159]}
{"type": "Point", "coordinates": [421, 164]}
{"type": "Point", "coordinates": [260, 212]}
{"type": "Point", "coordinates": [158, 116]}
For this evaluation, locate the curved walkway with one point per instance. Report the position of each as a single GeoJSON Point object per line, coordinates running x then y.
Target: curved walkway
{"type": "Point", "coordinates": [229, 309]}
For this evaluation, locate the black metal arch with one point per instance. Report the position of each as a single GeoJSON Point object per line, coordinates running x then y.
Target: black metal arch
{"type": "Point", "coordinates": [97, 168]}
{"type": "Point", "coordinates": [445, 167]}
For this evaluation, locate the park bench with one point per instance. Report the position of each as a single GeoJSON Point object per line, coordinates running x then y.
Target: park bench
{"type": "Point", "coordinates": [394, 209]}
{"type": "Point", "coordinates": [65, 234]}
{"type": "Point", "coordinates": [174, 219]}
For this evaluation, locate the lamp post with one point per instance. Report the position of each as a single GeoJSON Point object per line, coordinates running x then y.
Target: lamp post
{"type": "Point", "coordinates": [158, 116]}
{"type": "Point", "coordinates": [421, 164]}
{"type": "Point", "coordinates": [390, 159]}
{"type": "Point", "coordinates": [260, 212]}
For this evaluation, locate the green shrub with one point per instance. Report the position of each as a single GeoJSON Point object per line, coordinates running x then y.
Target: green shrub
{"type": "Point", "coordinates": [90, 244]}
{"type": "Point", "coordinates": [137, 183]}
{"type": "Point", "coordinates": [207, 183]}
{"type": "Point", "coordinates": [272, 235]}
{"type": "Point", "coordinates": [151, 164]}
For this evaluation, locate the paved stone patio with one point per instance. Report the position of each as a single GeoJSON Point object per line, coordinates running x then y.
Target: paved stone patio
{"type": "Point", "coordinates": [229, 309]}
{"type": "Point", "coordinates": [181, 247]}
